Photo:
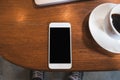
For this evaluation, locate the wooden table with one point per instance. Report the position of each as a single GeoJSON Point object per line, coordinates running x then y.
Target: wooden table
{"type": "Point", "coordinates": [24, 35]}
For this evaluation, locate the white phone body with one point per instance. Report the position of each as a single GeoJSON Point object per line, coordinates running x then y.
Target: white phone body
{"type": "Point", "coordinates": [50, 2]}
{"type": "Point", "coordinates": [60, 65]}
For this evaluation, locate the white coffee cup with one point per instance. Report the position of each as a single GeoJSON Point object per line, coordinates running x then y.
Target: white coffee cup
{"type": "Point", "coordinates": [108, 21]}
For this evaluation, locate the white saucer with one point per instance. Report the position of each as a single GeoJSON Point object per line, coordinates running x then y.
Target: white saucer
{"type": "Point", "coordinates": [96, 27]}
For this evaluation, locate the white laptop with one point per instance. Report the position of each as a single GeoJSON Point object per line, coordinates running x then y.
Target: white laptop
{"type": "Point", "coordinates": [50, 2]}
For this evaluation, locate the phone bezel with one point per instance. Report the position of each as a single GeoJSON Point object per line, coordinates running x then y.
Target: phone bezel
{"type": "Point", "coordinates": [60, 65]}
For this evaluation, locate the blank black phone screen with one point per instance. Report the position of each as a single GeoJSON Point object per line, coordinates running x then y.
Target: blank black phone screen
{"type": "Point", "coordinates": [60, 45]}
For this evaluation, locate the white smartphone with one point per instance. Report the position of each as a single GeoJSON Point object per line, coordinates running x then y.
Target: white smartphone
{"type": "Point", "coordinates": [60, 47]}
{"type": "Point", "coordinates": [50, 2]}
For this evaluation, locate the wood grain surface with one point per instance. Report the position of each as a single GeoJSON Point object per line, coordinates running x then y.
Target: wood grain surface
{"type": "Point", "coordinates": [24, 34]}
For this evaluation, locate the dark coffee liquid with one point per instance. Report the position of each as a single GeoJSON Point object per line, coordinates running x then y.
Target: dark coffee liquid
{"type": "Point", "coordinates": [116, 21]}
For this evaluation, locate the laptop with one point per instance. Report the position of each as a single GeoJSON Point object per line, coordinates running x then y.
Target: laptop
{"type": "Point", "coordinates": [51, 2]}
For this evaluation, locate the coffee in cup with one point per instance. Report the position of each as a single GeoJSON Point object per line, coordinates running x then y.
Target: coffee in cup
{"type": "Point", "coordinates": [116, 21]}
